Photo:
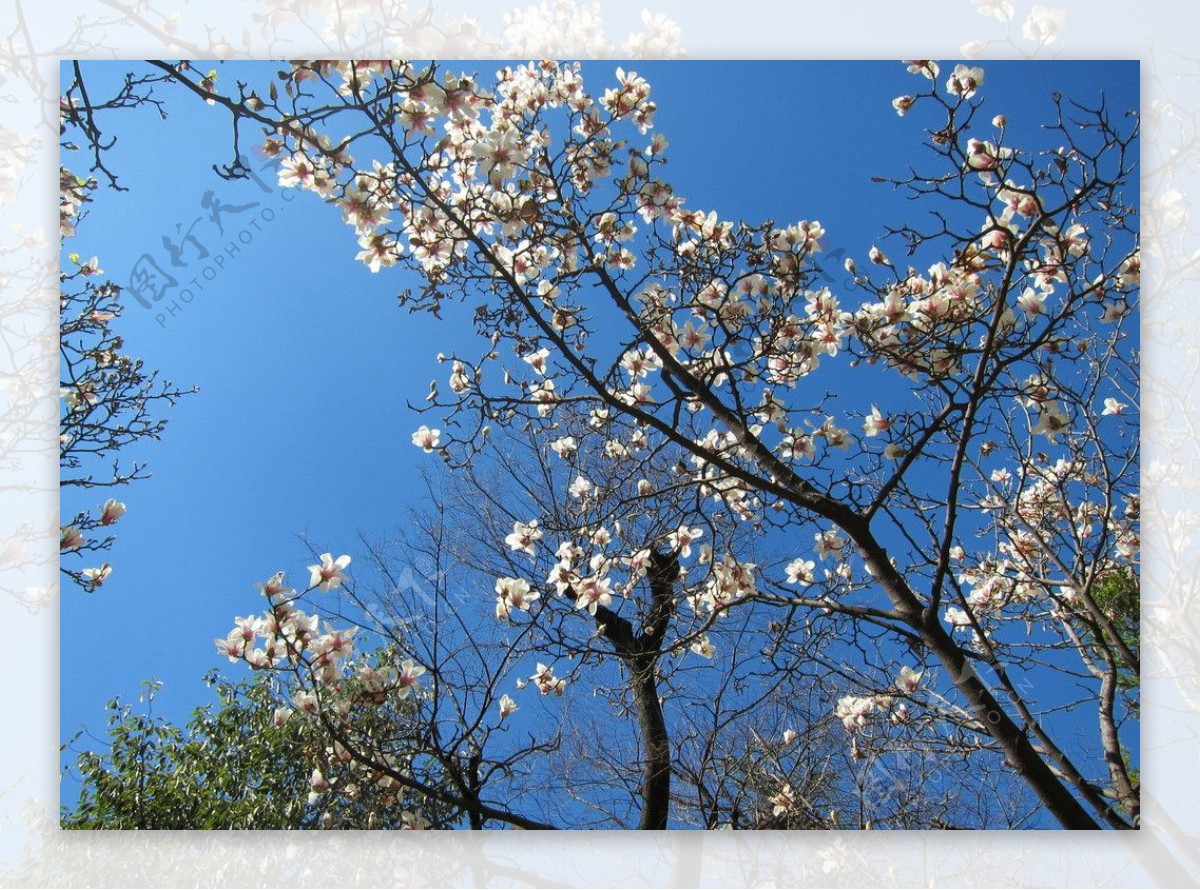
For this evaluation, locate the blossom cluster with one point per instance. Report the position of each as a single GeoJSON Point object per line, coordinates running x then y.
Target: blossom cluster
{"type": "Point", "coordinates": [1053, 500]}
{"type": "Point", "coordinates": [287, 637]}
{"type": "Point", "coordinates": [73, 193]}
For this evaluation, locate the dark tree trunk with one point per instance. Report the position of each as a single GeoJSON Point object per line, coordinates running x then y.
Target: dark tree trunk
{"type": "Point", "coordinates": [1019, 752]}
{"type": "Point", "coordinates": [639, 652]}
{"type": "Point", "coordinates": [656, 767]}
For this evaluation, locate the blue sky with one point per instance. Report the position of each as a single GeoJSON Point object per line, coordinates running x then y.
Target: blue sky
{"type": "Point", "coordinates": [306, 365]}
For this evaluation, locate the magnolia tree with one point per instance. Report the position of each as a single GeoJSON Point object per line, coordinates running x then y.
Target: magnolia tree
{"type": "Point", "coordinates": [109, 400]}
{"type": "Point", "coordinates": [912, 503]}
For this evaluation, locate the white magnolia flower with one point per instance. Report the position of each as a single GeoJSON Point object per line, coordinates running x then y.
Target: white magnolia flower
{"type": "Point", "coordinates": [329, 572]}
{"type": "Point", "coordinates": [426, 439]}
{"type": "Point", "coordinates": [524, 537]}
{"type": "Point", "coordinates": [908, 680]}
{"type": "Point", "coordinates": [800, 571]}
